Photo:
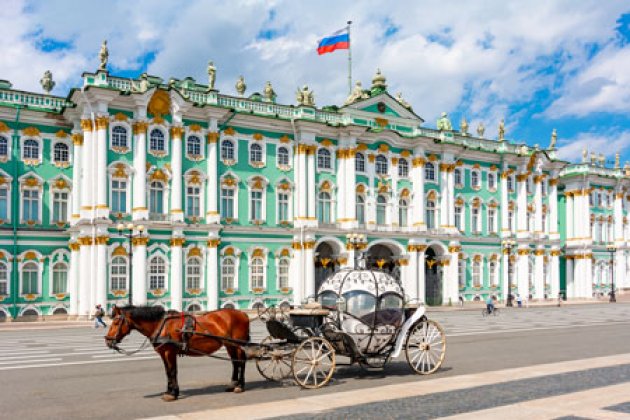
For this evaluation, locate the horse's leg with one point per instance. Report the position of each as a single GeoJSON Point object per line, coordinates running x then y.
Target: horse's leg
{"type": "Point", "coordinates": [169, 387]}
{"type": "Point", "coordinates": [235, 385]}
{"type": "Point", "coordinates": [242, 358]}
{"type": "Point", "coordinates": [170, 363]}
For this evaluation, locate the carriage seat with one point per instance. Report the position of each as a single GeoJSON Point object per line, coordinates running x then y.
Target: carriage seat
{"type": "Point", "coordinates": [391, 317]}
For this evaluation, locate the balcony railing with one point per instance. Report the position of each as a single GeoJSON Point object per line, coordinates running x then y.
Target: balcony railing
{"type": "Point", "coordinates": [158, 217]}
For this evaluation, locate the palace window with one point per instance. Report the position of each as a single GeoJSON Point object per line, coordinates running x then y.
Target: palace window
{"type": "Point", "coordinates": [475, 220]}
{"type": "Point", "coordinates": [193, 146]}
{"type": "Point", "coordinates": [381, 207]}
{"type": "Point", "coordinates": [458, 177]}
{"type": "Point", "coordinates": [381, 165]}
{"type": "Point", "coordinates": [283, 156]}
{"type": "Point", "coordinates": [403, 168]}
{"type": "Point", "coordinates": [4, 203]}
{"type": "Point", "coordinates": [227, 203]}
{"type": "Point", "coordinates": [119, 195]}
{"type": "Point", "coordinates": [475, 179]}
{"type": "Point", "coordinates": [430, 210]}
{"type": "Point", "coordinates": [492, 181]}
{"type": "Point", "coordinates": [61, 153]}
{"type": "Point", "coordinates": [60, 206]}
{"type": "Point", "coordinates": [530, 273]}
{"type": "Point", "coordinates": [156, 141]}
{"type": "Point", "coordinates": [193, 201]}
{"type": "Point", "coordinates": [118, 273]}
{"type": "Point", "coordinates": [227, 150]}
{"type": "Point", "coordinates": [493, 273]}
{"type": "Point", "coordinates": [157, 273]}
{"type": "Point", "coordinates": [119, 137]}
{"type": "Point", "coordinates": [257, 273]}
{"type": "Point", "coordinates": [528, 185]}
{"type": "Point", "coordinates": [403, 209]}
{"type": "Point", "coordinates": [255, 153]}
{"type": "Point", "coordinates": [30, 278]}
{"type": "Point", "coordinates": [359, 162]}
{"type": "Point", "coordinates": [461, 273]}
{"type": "Point", "coordinates": [283, 273]}
{"type": "Point", "coordinates": [4, 147]}
{"type": "Point", "coordinates": [156, 198]}
{"type": "Point", "coordinates": [476, 273]}
{"type": "Point", "coordinates": [228, 273]}
{"type": "Point", "coordinates": [360, 210]}
{"type": "Point", "coordinates": [458, 218]}
{"type": "Point", "coordinates": [30, 205]}
{"type": "Point", "coordinates": [255, 205]}
{"type": "Point", "coordinates": [429, 171]}
{"type": "Point", "coordinates": [510, 183]}
{"type": "Point", "coordinates": [60, 278]}
{"type": "Point", "coordinates": [492, 217]}
{"type": "Point", "coordinates": [193, 273]}
{"type": "Point", "coordinates": [30, 149]}
{"type": "Point", "coordinates": [323, 159]}
{"type": "Point", "coordinates": [324, 213]}
{"type": "Point", "coordinates": [4, 279]}
{"type": "Point", "coordinates": [283, 207]}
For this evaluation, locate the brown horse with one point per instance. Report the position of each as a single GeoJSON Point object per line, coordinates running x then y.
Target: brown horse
{"type": "Point", "coordinates": [164, 329]}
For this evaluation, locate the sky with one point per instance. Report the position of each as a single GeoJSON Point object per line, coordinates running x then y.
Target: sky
{"type": "Point", "coordinates": [539, 64]}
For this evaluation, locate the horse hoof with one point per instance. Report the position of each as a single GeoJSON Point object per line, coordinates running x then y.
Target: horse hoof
{"type": "Point", "coordinates": [168, 397]}
{"type": "Point", "coordinates": [238, 390]}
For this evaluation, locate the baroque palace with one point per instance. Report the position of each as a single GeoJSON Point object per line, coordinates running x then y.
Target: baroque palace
{"type": "Point", "coordinates": [238, 201]}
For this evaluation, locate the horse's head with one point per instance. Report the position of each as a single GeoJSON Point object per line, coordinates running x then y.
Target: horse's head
{"type": "Point", "coordinates": [121, 327]}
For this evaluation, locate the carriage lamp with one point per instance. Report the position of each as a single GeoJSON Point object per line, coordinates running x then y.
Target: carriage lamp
{"type": "Point", "coordinates": [356, 242]}
{"type": "Point", "coordinates": [128, 233]}
{"type": "Point", "coordinates": [508, 244]}
{"type": "Point", "coordinates": [612, 249]}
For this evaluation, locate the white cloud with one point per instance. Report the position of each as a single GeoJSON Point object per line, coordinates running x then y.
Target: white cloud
{"type": "Point", "coordinates": [608, 144]}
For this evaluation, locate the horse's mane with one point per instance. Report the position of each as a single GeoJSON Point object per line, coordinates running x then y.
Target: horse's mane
{"type": "Point", "coordinates": [145, 313]}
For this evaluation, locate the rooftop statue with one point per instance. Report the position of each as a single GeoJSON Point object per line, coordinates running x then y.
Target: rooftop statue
{"type": "Point", "coordinates": [481, 129]}
{"type": "Point", "coordinates": [212, 75]}
{"type": "Point", "coordinates": [241, 86]}
{"type": "Point", "coordinates": [554, 138]}
{"type": "Point", "coordinates": [357, 94]}
{"type": "Point", "coordinates": [501, 130]}
{"type": "Point", "coordinates": [268, 93]}
{"type": "Point", "coordinates": [103, 55]}
{"type": "Point", "coordinates": [584, 155]}
{"type": "Point", "coordinates": [463, 126]}
{"type": "Point", "coordinates": [444, 124]}
{"type": "Point", "coordinates": [402, 101]}
{"type": "Point", "coordinates": [141, 87]}
{"type": "Point", "coordinates": [47, 81]}
{"type": "Point", "coordinates": [305, 96]}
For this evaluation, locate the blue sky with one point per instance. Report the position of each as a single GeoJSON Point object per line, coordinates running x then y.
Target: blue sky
{"type": "Point", "coordinates": [556, 64]}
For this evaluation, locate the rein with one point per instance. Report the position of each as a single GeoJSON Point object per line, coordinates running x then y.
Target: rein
{"type": "Point", "coordinates": [113, 339]}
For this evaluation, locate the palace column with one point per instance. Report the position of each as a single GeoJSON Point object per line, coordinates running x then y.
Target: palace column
{"type": "Point", "coordinates": [101, 270]}
{"type": "Point", "coordinates": [177, 214]}
{"type": "Point", "coordinates": [77, 183]}
{"type": "Point", "coordinates": [73, 280]}
{"type": "Point", "coordinates": [351, 196]}
{"type": "Point", "coordinates": [539, 270]}
{"type": "Point", "coordinates": [422, 283]}
{"type": "Point", "coordinates": [212, 208]}
{"type": "Point", "coordinates": [410, 279]}
{"type": "Point", "coordinates": [296, 270]}
{"type": "Point", "coordinates": [451, 198]}
{"type": "Point", "coordinates": [570, 279]}
{"type": "Point", "coordinates": [538, 227]}
{"type": "Point", "coordinates": [521, 206]}
{"type": "Point", "coordinates": [301, 191]}
{"type": "Point", "coordinates": [417, 179]}
{"type": "Point", "coordinates": [588, 274]}
{"type": "Point", "coordinates": [85, 274]}
{"type": "Point", "coordinates": [341, 185]}
{"type": "Point", "coordinates": [176, 273]}
{"type": "Point", "coordinates": [310, 157]}
{"type": "Point", "coordinates": [618, 216]}
{"type": "Point", "coordinates": [87, 167]}
{"type": "Point", "coordinates": [370, 214]}
{"type": "Point", "coordinates": [450, 277]}
{"type": "Point", "coordinates": [444, 192]}
{"type": "Point", "coordinates": [505, 269]}
{"type": "Point", "coordinates": [102, 207]}
{"type": "Point", "coordinates": [554, 235]}
{"type": "Point", "coordinates": [309, 267]}
{"type": "Point", "coordinates": [139, 269]}
{"type": "Point", "coordinates": [569, 214]}
{"type": "Point", "coordinates": [391, 217]}
{"type": "Point", "coordinates": [139, 196]}
{"type": "Point", "coordinates": [212, 273]}
{"type": "Point", "coordinates": [522, 272]}
{"type": "Point", "coordinates": [555, 273]}
{"type": "Point", "coordinates": [505, 223]}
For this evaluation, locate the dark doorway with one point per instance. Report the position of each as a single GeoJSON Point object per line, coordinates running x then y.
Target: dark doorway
{"type": "Point", "coordinates": [384, 256]}
{"type": "Point", "coordinates": [325, 263]}
{"type": "Point", "coordinates": [433, 280]}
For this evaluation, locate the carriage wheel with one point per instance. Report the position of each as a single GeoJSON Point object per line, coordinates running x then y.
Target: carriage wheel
{"type": "Point", "coordinates": [274, 363]}
{"type": "Point", "coordinates": [425, 347]}
{"type": "Point", "coordinates": [313, 363]}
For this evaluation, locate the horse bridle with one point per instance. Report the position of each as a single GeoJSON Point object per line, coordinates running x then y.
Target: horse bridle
{"type": "Point", "coordinates": [115, 340]}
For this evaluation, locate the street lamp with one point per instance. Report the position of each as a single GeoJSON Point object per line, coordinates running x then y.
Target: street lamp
{"type": "Point", "coordinates": [356, 242]}
{"type": "Point", "coordinates": [508, 244]}
{"type": "Point", "coordinates": [128, 232]}
{"type": "Point", "coordinates": [612, 249]}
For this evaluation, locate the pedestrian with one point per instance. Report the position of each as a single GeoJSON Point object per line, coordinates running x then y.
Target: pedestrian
{"type": "Point", "coordinates": [99, 313]}
{"type": "Point", "coordinates": [490, 304]}
{"type": "Point", "coordinates": [461, 300]}
{"type": "Point", "coordinates": [519, 300]}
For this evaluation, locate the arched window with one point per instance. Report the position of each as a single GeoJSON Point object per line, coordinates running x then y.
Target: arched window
{"type": "Point", "coordinates": [459, 210]}
{"type": "Point", "coordinates": [283, 273]}
{"type": "Point", "coordinates": [30, 150]}
{"type": "Point", "coordinates": [461, 273]}
{"type": "Point", "coordinates": [30, 273]}
{"type": "Point", "coordinates": [256, 205]}
{"type": "Point", "coordinates": [119, 136]}
{"type": "Point", "coordinates": [4, 279]}
{"type": "Point", "coordinates": [475, 220]}
{"type": "Point", "coordinates": [429, 171]}
{"type": "Point", "coordinates": [227, 150]}
{"type": "Point", "coordinates": [403, 168]}
{"type": "Point", "coordinates": [257, 273]}
{"type": "Point", "coordinates": [156, 141]}
{"type": "Point", "coordinates": [430, 210]}
{"type": "Point", "coordinates": [360, 209]}
{"type": "Point", "coordinates": [476, 272]}
{"type": "Point", "coordinates": [283, 206]}
{"type": "Point", "coordinates": [193, 146]}
{"type": "Point", "coordinates": [323, 159]}
{"type": "Point", "coordinates": [255, 153]}
{"type": "Point", "coordinates": [492, 184]}
{"type": "Point", "coordinates": [157, 273]}
{"type": "Point", "coordinates": [228, 274]}
{"type": "Point", "coordinates": [193, 273]}
{"type": "Point", "coordinates": [193, 201]}
{"type": "Point", "coordinates": [156, 198]}
{"type": "Point", "coordinates": [492, 273]}
{"type": "Point", "coordinates": [475, 179]}
{"type": "Point", "coordinates": [60, 278]}
{"type": "Point", "coordinates": [324, 208]}
{"type": "Point", "coordinates": [492, 218]}
{"type": "Point", "coordinates": [227, 203]}
{"type": "Point", "coordinates": [381, 165]}
{"type": "Point", "coordinates": [458, 176]}
{"type": "Point", "coordinates": [119, 196]}
{"type": "Point", "coordinates": [4, 146]}
{"type": "Point", "coordinates": [359, 162]}
{"type": "Point", "coordinates": [403, 209]}
{"type": "Point", "coordinates": [118, 273]}
{"type": "Point", "coordinates": [283, 156]}
{"type": "Point", "coordinates": [381, 206]}
{"type": "Point", "coordinates": [30, 204]}
{"type": "Point", "coordinates": [60, 200]}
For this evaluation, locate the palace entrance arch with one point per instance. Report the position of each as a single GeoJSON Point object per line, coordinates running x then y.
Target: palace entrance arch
{"type": "Point", "coordinates": [433, 277]}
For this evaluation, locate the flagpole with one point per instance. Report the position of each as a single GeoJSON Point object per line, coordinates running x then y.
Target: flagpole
{"type": "Point", "coordinates": [349, 60]}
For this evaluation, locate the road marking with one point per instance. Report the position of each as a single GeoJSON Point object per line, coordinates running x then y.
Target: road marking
{"type": "Point", "coordinates": [527, 329]}
{"type": "Point", "coordinates": [85, 362]}
{"type": "Point", "coordinates": [56, 359]}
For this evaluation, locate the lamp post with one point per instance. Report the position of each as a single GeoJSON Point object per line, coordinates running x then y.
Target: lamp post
{"type": "Point", "coordinates": [356, 242]}
{"type": "Point", "coordinates": [128, 233]}
{"type": "Point", "coordinates": [508, 244]}
{"type": "Point", "coordinates": [612, 249]}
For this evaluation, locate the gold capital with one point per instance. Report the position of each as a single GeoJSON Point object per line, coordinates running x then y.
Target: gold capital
{"type": "Point", "coordinates": [213, 137]}
{"type": "Point", "coordinates": [140, 127]}
{"type": "Point", "coordinates": [77, 139]}
{"type": "Point", "coordinates": [102, 122]}
{"type": "Point", "coordinates": [86, 125]}
{"type": "Point", "coordinates": [176, 132]}
{"type": "Point", "coordinates": [177, 242]}
{"type": "Point", "coordinates": [140, 241]}
{"type": "Point", "coordinates": [213, 243]}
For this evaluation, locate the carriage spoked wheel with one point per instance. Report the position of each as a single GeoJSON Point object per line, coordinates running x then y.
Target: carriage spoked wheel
{"type": "Point", "coordinates": [274, 363]}
{"type": "Point", "coordinates": [425, 347]}
{"type": "Point", "coordinates": [313, 362]}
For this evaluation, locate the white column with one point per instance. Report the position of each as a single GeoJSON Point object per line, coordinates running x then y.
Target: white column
{"type": "Point", "coordinates": [73, 280]}
{"type": "Point", "coordinates": [570, 280]}
{"type": "Point", "coordinates": [392, 208]}
{"type": "Point", "coordinates": [451, 200]}
{"type": "Point", "coordinates": [101, 270]}
{"type": "Point", "coordinates": [77, 183]}
{"type": "Point", "coordinates": [351, 196]}
{"type": "Point", "coordinates": [539, 279]}
{"type": "Point", "coordinates": [311, 186]}
{"type": "Point", "coordinates": [309, 268]}
{"type": "Point", "coordinates": [521, 206]}
{"type": "Point", "coordinates": [451, 279]}
{"type": "Point", "coordinates": [522, 272]}
{"type": "Point", "coordinates": [553, 212]}
{"type": "Point", "coordinates": [139, 196]}
{"type": "Point", "coordinates": [505, 223]}
{"type": "Point", "coordinates": [176, 273]}
{"type": "Point", "coordinates": [370, 209]}
{"type": "Point", "coordinates": [505, 269]}
{"type": "Point", "coordinates": [94, 275]}
{"type": "Point", "coordinates": [618, 216]}
{"type": "Point", "coordinates": [538, 227]}
{"type": "Point", "coordinates": [588, 274]}
{"type": "Point", "coordinates": [86, 167]}
{"type": "Point", "coordinates": [212, 274]}
{"type": "Point", "coordinates": [422, 283]}
{"type": "Point", "coordinates": [410, 277]}
{"type": "Point", "coordinates": [569, 215]}
{"type": "Point", "coordinates": [177, 214]}
{"type": "Point", "coordinates": [102, 207]}
{"type": "Point", "coordinates": [85, 272]}
{"type": "Point", "coordinates": [296, 270]}
{"type": "Point", "coordinates": [555, 273]}
{"type": "Point", "coordinates": [444, 192]}
{"type": "Point", "coordinates": [342, 192]}
{"type": "Point", "coordinates": [212, 208]}
{"type": "Point", "coordinates": [139, 268]}
{"type": "Point", "coordinates": [301, 192]}
{"type": "Point", "coordinates": [417, 179]}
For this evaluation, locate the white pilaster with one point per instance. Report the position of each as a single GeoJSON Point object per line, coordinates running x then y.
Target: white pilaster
{"type": "Point", "coordinates": [85, 272]}
{"type": "Point", "coordinates": [309, 267]}
{"type": "Point", "coordinates": [538, 227]}
{"type": "Point", "coordinates": [570, 280]}
{"type": "Point", "coordinates": [539, 279]}
{"type": "Point", "coordinates": [555, 273]}
{"type": "Point", "coordinates": [505, 226]}
{"type": "Point", "coordinates": [370, 208]}
{"type": "Point", "coordinates": [101, 271]}
{"type": "Point", "coordinates": [102, 208]}
{"type": "Point", "coordinates": [77, 182]}
{"type": "Point", "coordinates": [301, 192]}
{"type": "Point", "coordinates": [522, 272]}
{"type": "Point", "coordinates": [139, 268]}
{"type": "Point", "coordinates": [451, 201]}
{"type": "Point", "coordinates": [342, 192]}
{"type": "Point", "coordinates": [410, 274]}
{"type": "Point", "coordinates": [87, 166]}
{"type": "Point", "coordinates": [417, 207]}
{"type": "Point", "coordinates": [554, 235]}
{"type": "Point", "coordinates": [444, 193]}
{"type": "Point", "coordinates": [177, 214]}
{"type": "Point", "coordinates": [212, 212]}
{"type": "Point", "coordinates": [139, 196]}
{"type": "Point", "coordinates": [451, 279]}
{"type": "Point", "coordinates": [212, 274]}
{"type": "Point", "coordinates": [521, 206]}
{"type": "Point", "coordinates": [569, 216]}
{"type": "Point", "coordinates": [505, 270]}
{"type": "Point", "coordinates": [296, 269]}
{"type": "Point", "coordinates": [422, 281]}
{"type": "Point", "coordinates": [176, 273]}
{"type": "Point", "coordinates": [350, 198]}
{"type": "Point", "coordinates": [310, 157]}
{"type": "Point", "coordinates": [73, 280]}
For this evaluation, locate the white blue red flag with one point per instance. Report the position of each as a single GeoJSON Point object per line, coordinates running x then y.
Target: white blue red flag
{"type": "Point", "coordinates": [340, 40]}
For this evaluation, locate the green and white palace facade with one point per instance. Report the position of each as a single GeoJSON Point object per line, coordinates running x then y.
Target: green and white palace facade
{"type": "Point", "coordinates": [246, 202]}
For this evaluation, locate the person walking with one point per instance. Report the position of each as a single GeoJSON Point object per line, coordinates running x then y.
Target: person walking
{"type": "Point", "coordinates": [99, 313]}
{"type": "Point", "coordinates": [461, 300]}
{"type": "Point", "coordinates": [519, 300]}
{"type": "Point", "coordinates": [559, 299]}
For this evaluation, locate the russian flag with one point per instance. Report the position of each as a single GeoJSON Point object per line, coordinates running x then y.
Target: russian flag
{"type": "Point", "coordinates": [340, 40]}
